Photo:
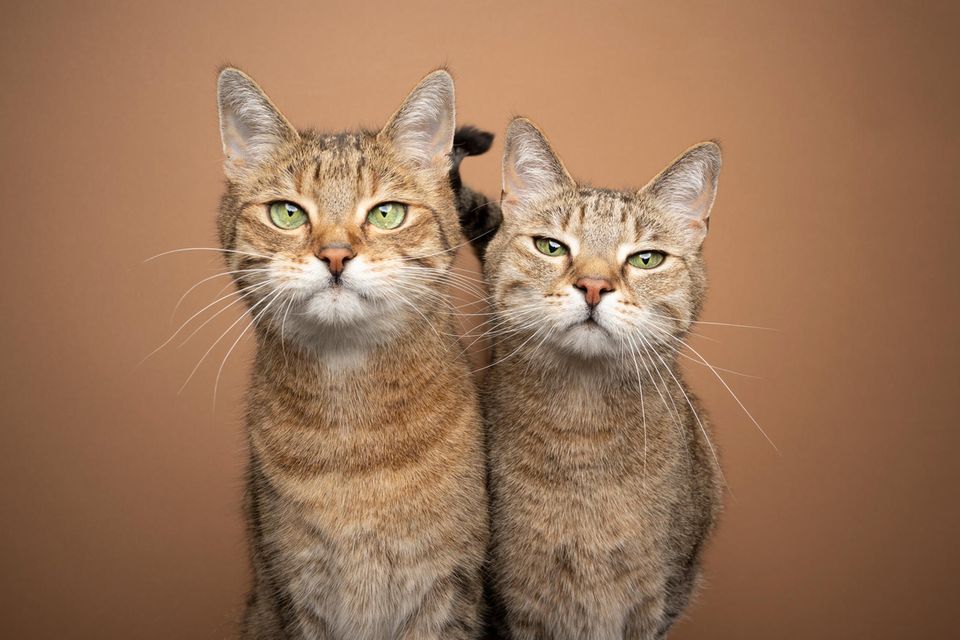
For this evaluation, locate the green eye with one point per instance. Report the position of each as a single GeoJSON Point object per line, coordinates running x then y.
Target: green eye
{"type": "Point", "coordinates": [646, 259]}
{"type": "Point", "coordinates": [550, 247]}
{"type": "Point", "coordinates": [287, 215]}
{"type": "Point", "coordinates": [388, 215]}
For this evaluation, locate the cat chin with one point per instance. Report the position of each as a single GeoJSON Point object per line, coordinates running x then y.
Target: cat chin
{"type": "Point", "coordinates": [587, 340]}
{"type": "Point", "coordinates": [338, 306]}
{"type": "Point", "coordinates": [338, 322]}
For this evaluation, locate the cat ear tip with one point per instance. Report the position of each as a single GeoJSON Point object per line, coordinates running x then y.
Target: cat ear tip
{"type": "Point", "coordinates": [521, 125]}
{"type": "Point", "coordinates": [712, 148]}
{"type": "Point", "coordinates": [229, 72]}
{"type": "Point", "coordinates": [439, 77]}
{"type": "Point", "coordinates": [521, 121]}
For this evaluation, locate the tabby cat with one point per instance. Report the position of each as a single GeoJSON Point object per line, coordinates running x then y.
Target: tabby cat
{"type": "Point", "coordinates": [366, 485]}
{"type": "Point", "coordinates": [604, 484]}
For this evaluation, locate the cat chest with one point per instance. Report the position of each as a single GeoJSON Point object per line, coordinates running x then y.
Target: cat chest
{"type": "Point", "coordinates": [359, 588]}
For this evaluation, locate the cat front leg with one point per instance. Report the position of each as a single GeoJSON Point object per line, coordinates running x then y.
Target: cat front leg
{"type": "Point", "coordinates": [449, 611]}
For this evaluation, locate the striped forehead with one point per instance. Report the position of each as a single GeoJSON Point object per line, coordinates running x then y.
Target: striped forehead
{"type": "Point", "coordinates": [602, 220]}
{"type": "Point", "coordinates": [332, 172]}
{"type": "Point", "coordinates": [335, 177]}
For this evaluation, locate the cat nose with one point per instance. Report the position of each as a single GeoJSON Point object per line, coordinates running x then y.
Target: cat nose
{"type": "Point", "coordinates": [593, 288]}
{"type": "Point", "coordinates": [336, 257]}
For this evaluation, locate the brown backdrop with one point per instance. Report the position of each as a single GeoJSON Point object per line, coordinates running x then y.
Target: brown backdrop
{"type": "Point", "coordinates": [836, 225]}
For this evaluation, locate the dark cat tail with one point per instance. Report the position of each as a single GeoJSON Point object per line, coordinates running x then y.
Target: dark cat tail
{"type": "Point", "coordinates": [469, 141]}
{"type": "Point", "coordinates": [479, 217]}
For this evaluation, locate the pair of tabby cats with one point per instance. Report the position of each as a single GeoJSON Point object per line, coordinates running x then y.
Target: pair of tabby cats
{"type": "Point", "coordinates": [379, 504]}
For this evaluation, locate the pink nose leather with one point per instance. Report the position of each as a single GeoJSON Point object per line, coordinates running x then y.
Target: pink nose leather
{"type": "Point", "coordinates": [336, 258]}
{"type": "Point", "coordinates": [593, 288]}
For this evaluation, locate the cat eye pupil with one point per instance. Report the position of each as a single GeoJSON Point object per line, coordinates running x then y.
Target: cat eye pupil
{"type": "Point", "coordinates": [287, 215]}
{"type": "Point", "coordinates": [647, 259]}
{"type": "Point", "coordinates": [550, 247]}
{"type": "Point", "coordinates": [388, 215]}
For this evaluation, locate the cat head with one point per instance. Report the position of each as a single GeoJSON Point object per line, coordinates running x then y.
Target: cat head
{"type": "Point", "coordinates": [595, 272]}
{"type": "Point", "coordinates": [347, 235]}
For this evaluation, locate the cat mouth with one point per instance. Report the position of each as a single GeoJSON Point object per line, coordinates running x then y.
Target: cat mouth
{"type": "Point", "coordinates": [590, 323]}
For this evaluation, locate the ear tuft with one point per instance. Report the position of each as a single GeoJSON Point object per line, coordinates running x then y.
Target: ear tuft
{"type": "Point", "coordinates": [531, 170]}
{"type": "Point", "coordinates": [688, 186]}
{"type": "Point", "coordinates": [251, 127]}
{"type": "Point", "coordinates": [422, 129]}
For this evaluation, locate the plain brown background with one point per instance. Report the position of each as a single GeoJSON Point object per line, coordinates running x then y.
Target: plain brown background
{"type": "Point", "coordinates": [836, 225]}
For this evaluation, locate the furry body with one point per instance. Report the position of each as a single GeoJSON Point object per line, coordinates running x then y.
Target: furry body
{"type": "Point", "coordinates": [366, 485]}
{"type": "Point", "coordinates": [604, 485]}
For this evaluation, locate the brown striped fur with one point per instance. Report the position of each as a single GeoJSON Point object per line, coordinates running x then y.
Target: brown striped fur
{"type": "Point", "coordinates": [366, 499]}
{"type": "Point", "coordinates": [604, 485]}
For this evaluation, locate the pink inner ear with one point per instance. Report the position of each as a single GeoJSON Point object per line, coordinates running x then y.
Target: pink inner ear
{"type": "Point", "coordinates": [700, 207]}
{"type": "Point", "coordinates": [512, 183]}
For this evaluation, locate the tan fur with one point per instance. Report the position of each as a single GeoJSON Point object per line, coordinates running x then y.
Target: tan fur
{"type": "Point", "coordinates": [604, 485]}
{"type": "Point", "coordinates": [366, 499]}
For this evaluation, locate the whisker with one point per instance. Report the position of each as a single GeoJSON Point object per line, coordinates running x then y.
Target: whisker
{"type": "Point", "coordinates": [703, 429]}
{"type": "Point", "coordinates": [217, 341]}
{"type": "Point", "coordinates": [216, 383]}
{"type": "Point", "coordinates": [727, 387]}
{"type": "Point", "coordinates": [241, 293]}
{"type": "Point", "coordinates": [167, 253]}
{"type": "Point", "coordinates": [718, 324]}
{"type": "Point", "coordinates": [216, 275]}
{"type": "Point", "coordinates": [245, 293]}
{"type": "Point", "coordinates": [643, 412]}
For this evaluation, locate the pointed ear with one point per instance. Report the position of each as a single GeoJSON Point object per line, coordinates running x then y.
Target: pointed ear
{"type": "Point", "coordinates": [686, 189]}
{"type": "Point", "coordinates": [422, 128]}
{"type": "Point", "coordinates": [251, 127]}
{"type": "Point", "coordinates": [531, 170]}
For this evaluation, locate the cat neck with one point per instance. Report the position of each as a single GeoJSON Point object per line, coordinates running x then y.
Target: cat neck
{"type": "Point", "coordinates": [348, 357]}
{"type": "Point", "coordinates": [571, 387]}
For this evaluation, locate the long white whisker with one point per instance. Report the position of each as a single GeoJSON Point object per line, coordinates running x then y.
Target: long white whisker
{"type": "Point", "coordinates": [703, 429]}
{"type": "Point", "coordinates": [245, 294]}
{"type": "Point", "coordinates": [217, 341]}
{"type": "Point", "coordinates": [207, 279]}
{"type": "Point", "coordinates": [167, 253]}
{"type": "Point", "coordinates": [216, 383]}
{"type": "Point", "coordinates": [727, 387]}
{"type": "Point", "coordinates": [241, 293]}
